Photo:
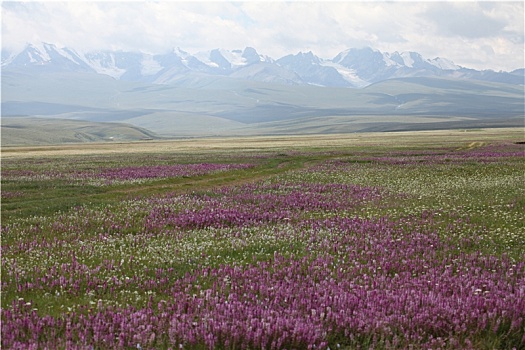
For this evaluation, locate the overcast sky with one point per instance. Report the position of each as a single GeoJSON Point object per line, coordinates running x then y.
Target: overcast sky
{"type": "Point", "coordinates": [481, 35]}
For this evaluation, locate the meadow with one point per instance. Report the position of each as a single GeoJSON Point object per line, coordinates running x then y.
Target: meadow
{"type": "Point", "coordinates": [357, 241]}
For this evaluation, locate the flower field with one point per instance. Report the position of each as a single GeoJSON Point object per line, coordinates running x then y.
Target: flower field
{"type": "Point", "coordinates": [349, 248]}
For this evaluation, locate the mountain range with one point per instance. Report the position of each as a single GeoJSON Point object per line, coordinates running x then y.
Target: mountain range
{"type": "Point", "coordinates": [355, 68]}
{"type": "Point", "coordinates": [242, 92]}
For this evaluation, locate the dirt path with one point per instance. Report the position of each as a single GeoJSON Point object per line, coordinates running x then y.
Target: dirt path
{"type": "Point", "coordinates": [179, 186]}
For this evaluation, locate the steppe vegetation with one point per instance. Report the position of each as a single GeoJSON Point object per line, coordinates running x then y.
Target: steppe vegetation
{"type": "Point", "coordinates": [382, 241]}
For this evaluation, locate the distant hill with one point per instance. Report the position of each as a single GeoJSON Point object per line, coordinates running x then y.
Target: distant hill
{"type": "Point", "coordinates": [202, 105]}
{"type": "Point", "coordinates": [46, 131]}
{"type": "Point", "coordinates": [241, 92]}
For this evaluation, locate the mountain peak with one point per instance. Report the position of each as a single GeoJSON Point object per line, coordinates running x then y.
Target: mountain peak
{"type": "Point", "coordinates": [305, 58]}
{"type": "Point", "coordinates": [443, 63]}
{"type": "Point", "coordinates": [251, 55]}
{"type": "Point", "coordinates": [38, 53]}
{"type": "Point", "coordinates": [49, 57]}
{"type": "Point", "coordinates": [309, 55]}
{"type": "Point", "coordinates": [181, 53]}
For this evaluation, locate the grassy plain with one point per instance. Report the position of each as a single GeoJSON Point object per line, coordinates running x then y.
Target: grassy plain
{"type": "Point", "coordinates": [395, 140]}
{"type": "Point", "coordinates": [382, 240]}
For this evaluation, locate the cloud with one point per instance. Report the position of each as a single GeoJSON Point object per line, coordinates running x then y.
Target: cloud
{"type": "Point", "coordinates": [147, 26]}
{"type": "Point", "coordinates": [469, 20]}
{"type": "Point", "coordinates": [477, 34]}
{"type": "Point", "coordinates": [461, 31]}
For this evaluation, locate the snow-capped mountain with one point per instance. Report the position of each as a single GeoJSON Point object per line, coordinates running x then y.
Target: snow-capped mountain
{"type": "Point", "coordinates": [317, 71]}
{"type": "Point", "coordinates": [351, 68]}
{"type": "Point", "coordinates": [224, 62]}
{"type": "Point", "coordinates": [48, 57]}
{"type": "Point", "coordinates": [373, 65]}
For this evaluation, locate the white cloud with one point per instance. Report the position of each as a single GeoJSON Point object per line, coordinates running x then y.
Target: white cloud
{"type": "Point", "coordinates": [464, 19]}
{"type": "Point", "coordinates": [473, 34]}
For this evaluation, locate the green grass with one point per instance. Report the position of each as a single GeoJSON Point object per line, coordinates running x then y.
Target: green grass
{"type": "Point", "coordinates": [49, 196]}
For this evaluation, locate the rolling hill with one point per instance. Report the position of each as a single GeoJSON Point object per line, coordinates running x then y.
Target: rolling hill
{"type": "Point", "coordinates": [22, 131]}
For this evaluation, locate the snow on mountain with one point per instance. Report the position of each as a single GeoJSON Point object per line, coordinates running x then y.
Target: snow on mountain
{"type": "Point", "coordinates": [221, 62]}
{"type": "Point", "coordinates": [314, 70]}
{"type": "Point", "coordinates": [300, 61]}
{"type": "Point", "coordinates": [104, 63]}
{"type": "Point", "coordinates": [348, 74]}
{"type": "Point", "coordinates": [7, 57]}
{"type": "Point", "coordinates": [443, 63]}
{"type": "Point", "coordinates": [40, 52]}
{"type": "Point", "coordinates": [369, 64]}
{"type": "Point", "coordinates": [376, 64]}
{"type": "Point", "coordinates": [251, 56]}
{"type": "Point", "coordinates": [407, 59]}
{"type": "Point", "coordinates": [351, 68]}
{"type": "Point", "coordinates": [204, 57]}
{"type": "Point", "coordinates": [227, 60]}
{"type": "Point", "coordinates": [221, 59]}
{"type": "Point", "coordinates": [392, 59]}
{"type": "Point", "coordinates": [69, 54]}
{"type": "Point", "coordinates": [48, 57]}
{"type": "Point", "coordinates": [234, 57]}
{"type": "Point", "coordinates": [414, 60]}
{"type": "Point", "coordinates": [182, 54]}
{"type": "Point", "coordinates": [149, 66]}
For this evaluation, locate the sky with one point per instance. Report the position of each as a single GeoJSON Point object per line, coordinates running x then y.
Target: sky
{"type": "Point", "coordinates": [473, 34]}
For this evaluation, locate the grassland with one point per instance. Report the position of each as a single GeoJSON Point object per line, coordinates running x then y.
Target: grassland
{"type": "Point", "coordinates": [379, 240]}
{"type": "Point", "coordinates": [399, 140]}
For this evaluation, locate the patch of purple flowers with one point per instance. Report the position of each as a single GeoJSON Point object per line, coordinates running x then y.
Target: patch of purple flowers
{"type": "Point", "coordinates": [369, 282]}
